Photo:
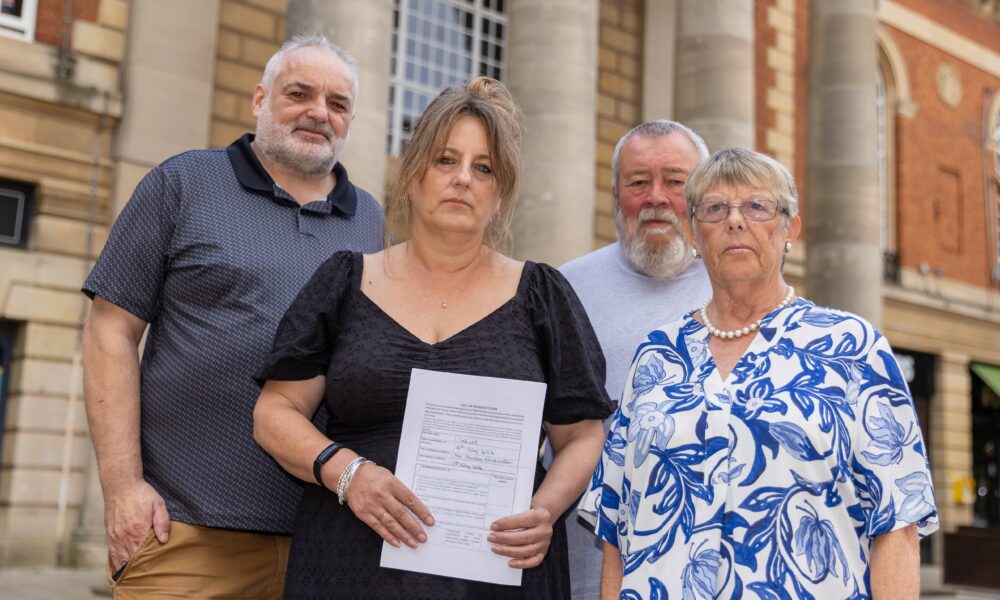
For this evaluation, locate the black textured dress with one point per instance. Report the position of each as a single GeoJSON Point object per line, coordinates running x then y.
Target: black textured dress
{"type": "Point", "coordinates": [333, 329]}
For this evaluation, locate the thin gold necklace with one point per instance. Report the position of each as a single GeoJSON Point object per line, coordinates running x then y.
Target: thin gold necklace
{"type": "Point", "coordinates": [472, 267]}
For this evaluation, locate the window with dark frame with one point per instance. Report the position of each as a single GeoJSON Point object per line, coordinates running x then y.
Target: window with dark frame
{"type": "Point", "coordinates": [17, 204]}
{"type": "Point", "coordinates": [8, 331]}
{"type": "Point", "coordinates": [437, 43]}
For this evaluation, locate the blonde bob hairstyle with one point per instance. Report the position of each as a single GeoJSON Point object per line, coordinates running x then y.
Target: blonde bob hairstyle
{"type": "Point", "coordinates": [488, 101]}
{"type": "Point", "coordinates": [735, 166]}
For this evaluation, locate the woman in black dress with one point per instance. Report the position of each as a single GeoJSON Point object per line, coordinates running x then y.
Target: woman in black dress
{"type": "Point", "coordinates": [444, 300]}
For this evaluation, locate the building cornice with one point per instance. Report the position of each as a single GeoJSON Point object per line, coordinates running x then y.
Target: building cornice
{"type": "Point", "coordinates": [938, 36]}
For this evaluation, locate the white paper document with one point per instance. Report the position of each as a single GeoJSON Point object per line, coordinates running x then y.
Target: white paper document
{"type": "Point", "coordinates": [468, 451]}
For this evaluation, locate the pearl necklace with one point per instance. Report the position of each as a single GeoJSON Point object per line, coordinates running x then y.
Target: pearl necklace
{"type": "Point", "coordinates": [729, 335]}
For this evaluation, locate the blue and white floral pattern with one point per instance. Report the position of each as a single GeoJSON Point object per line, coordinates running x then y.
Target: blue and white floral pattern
{"type": "Point", "coordinates": [769, 484]}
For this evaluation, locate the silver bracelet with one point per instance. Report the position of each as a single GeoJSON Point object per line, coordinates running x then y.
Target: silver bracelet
{"type": "Point", "coordinates": [347, 475]}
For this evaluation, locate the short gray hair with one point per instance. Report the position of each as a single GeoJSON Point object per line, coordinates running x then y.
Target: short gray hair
{"type": "Point", "coordinates": [654, 129]}
{"type": "Point", "coordinates": [742, 166]}
{"type": "Point", "coordinates": [313, 40]}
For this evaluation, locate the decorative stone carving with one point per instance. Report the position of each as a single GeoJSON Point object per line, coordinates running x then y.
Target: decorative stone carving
{"type": "Point", "coordinates": [949, 85]}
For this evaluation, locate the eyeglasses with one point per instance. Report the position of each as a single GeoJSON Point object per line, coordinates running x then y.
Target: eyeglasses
{"type": "Point", "coordinates": [753, 209]}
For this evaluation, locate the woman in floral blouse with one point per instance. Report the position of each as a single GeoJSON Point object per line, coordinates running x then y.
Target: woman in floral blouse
{"type": "Point", "coordinates": [765, 447]}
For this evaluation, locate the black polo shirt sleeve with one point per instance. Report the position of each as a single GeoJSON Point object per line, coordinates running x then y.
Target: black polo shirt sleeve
{"type": "Point", "coordinates": [130, 270]}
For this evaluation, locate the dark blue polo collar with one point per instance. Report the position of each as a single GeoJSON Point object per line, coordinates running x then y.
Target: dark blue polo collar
{"type": "Point", "coordinates": [251, 175]}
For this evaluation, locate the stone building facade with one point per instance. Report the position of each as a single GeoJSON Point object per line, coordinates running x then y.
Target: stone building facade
{"type": "Point", "coordinates": [98, 91]}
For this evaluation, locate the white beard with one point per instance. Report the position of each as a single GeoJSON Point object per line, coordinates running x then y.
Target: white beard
{"type": "Point", "coordinates": [294, 155]}
{"type": "Point", "coordinates": [662, 259]}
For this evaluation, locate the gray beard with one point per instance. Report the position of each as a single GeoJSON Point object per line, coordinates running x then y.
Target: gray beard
{"type": "Point", "coordinates": [293, 156]}
{"type": "Point", "coordinates": [661, 260]}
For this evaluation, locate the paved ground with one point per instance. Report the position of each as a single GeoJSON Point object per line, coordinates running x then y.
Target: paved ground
{"type": "Point", "coordinates": [53, 584]}
{"type": "Point", "coordinates": [72, 584]}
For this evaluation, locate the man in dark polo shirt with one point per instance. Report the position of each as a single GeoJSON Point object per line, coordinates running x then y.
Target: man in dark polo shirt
{"type": "Point", "coordinates": [209, 252]}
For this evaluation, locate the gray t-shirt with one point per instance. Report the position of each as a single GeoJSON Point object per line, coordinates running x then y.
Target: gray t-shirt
{"type": "Point", "coordinates": [210, 252]}
{"type": "Point", "coordinates": [623, 306]}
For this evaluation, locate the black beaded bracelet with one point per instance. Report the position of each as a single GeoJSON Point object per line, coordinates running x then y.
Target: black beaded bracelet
{"type": "Point", "coordinates": [321, 459]}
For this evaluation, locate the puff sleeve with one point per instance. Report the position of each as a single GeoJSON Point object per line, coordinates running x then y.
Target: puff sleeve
{"type": "Point", "coordinates": [571, 354]}
{"type": "Point", "coordinates": [303, 342]}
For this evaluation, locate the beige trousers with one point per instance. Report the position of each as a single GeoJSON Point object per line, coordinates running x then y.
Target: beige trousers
{"type": "Point", "coordinates": [203, 562]}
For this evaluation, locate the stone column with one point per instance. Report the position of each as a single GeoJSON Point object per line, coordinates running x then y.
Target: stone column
{"type": "Point", "coordinates": [659, 45]}
{"type": "Point", "coordinates": [714, 78]}
{"type": "Point", "coordinates": [843, 259]}
{"type": "Point", "coordinates": [169, 71]}
{"type": "Point", "coordinates": [552, 72]}
{"type": "Point", "coordinates": [365, 30]}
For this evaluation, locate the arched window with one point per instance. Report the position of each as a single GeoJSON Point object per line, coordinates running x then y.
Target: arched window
{"type": "Point", "coordinates": [886, 241]}
{"type": "Point", "coordinates": [885, 131]}
{"type": "Point", "coordinates": [892, 101]}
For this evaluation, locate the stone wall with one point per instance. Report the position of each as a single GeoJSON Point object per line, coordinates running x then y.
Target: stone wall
{"type": "Point", "coordinates": [776, 84]}
{"type": "Point", "coordinates": [619, 87]}
{"type": "Point", "coordinates": [780, 57]}
{"type": "Point", "coordinates": [56, 136]}
{"type": "Point", "coordinates": [250, 31]}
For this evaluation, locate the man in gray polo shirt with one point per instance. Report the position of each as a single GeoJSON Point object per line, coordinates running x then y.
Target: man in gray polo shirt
{"type": "Point", "coordinates": [209, 252]}
{"type": "Point", "coordinates": [646, 279]}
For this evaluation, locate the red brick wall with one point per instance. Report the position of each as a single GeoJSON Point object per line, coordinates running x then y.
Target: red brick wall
{"type": "Point", "coordinates": [801, 105]}
{"type": "Point", "coordinates": [958, 17]}
{"type": "Point", "coordinates": [941, 216]}
{"type": "Point", "coordinates": [940, 160]}
{"type": "Point", "coordinates": [49, 24]}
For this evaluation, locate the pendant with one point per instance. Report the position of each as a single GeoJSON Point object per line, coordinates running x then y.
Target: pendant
{"type": "Point", "coordinates": [444, 304]}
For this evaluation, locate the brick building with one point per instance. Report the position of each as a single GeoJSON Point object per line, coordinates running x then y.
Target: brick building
{"type": "Point", "coordinates": [95, 92]}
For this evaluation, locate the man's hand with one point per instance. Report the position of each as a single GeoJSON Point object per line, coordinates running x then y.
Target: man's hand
{"type": "Point", "coordinates": [111, 394]}
{"type": "Point", "coordinates": [130, 511]}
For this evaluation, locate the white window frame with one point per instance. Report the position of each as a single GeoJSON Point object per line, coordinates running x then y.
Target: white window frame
{"type": "Point", "coordinates": [885, 204]}
{"type": "Point", "coordinates": [23, 27]}
{"type": "Point", "coordinates": [400, 84]}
